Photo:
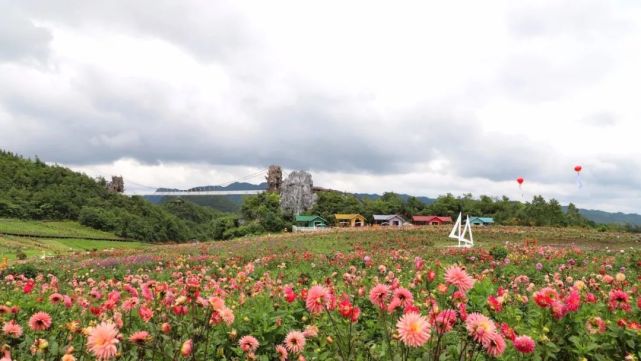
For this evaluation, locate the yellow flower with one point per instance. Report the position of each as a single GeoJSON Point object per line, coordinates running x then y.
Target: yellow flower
{"type": "Point", "coordinates": [73, 326]}
{"type": "Point", "coordinates": [579, 285]}
{"type": "Point", "coordinates": [87, 330]}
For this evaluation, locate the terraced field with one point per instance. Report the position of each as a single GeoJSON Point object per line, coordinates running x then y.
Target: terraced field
{"type": "Point", "coordinates": [38, 238]}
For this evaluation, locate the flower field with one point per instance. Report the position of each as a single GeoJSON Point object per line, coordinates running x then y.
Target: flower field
{"type": "Point", "coordinates": [370, 295]}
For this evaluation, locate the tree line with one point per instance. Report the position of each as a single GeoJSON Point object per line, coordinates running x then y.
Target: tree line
{"type": "Point", "coordinates": [505, 211]}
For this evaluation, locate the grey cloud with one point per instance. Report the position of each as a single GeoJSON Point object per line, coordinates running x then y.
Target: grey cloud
{"type": "Point", "coordinates": [616, 171]}
{"type": "Point", "coordinates": [209, 30]}
{"type": "Point", "coordinates": [607, 184]}
{"type": "Point", "coordinates": [601, 119]}
{"type": "Point", "coordinates": [20, 39]}
{"type": "Point", "coordinates": [315, 131]}
{"type": "Point", "coordinates": [559, 47]}
{"type": "Point", "coordinates": [591, 20]}
{"type": "Point", "coordinates": [499, 157]}
{"type": "Point", "coordinates": [114, 119]}
{"type": "Point", "coordinates": [543, 77]}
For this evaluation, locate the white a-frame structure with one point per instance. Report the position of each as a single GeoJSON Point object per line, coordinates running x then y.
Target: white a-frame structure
{"type": "Point", "coordinates": [460, 236]}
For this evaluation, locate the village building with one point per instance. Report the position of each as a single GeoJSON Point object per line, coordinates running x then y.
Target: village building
{"type": "Point", "coordinates": [431, 220]}
{"type": "Point", "coordinates": [388, 220]}
{"type": "Point", "coordinates": [311, 221]}
{"type": "Point", "coordinates": [349, 220]}
{"type": "Point", "coordinates": [481, 221]}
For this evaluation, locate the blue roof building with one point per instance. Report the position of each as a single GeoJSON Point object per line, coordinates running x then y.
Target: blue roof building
{"type": "Point", "coordinates": [481, 221]}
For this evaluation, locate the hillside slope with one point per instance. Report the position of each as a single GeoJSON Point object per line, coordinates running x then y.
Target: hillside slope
{"type": "Point", "coordinates": [31, 189]}
{"type": "Point", "coordinates": [53, 229]}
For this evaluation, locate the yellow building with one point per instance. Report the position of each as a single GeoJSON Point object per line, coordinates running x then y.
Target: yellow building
{"type": "Point", "coordinates": [349, 220]}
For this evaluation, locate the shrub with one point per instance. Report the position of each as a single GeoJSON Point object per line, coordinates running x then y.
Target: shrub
{"type": "Point", "coordinates": [221, 225]}
{"type": "Point", "coordinates": [26, 269]}
{"type": "Point", "coordinates": [498, 253]}
{"type": "Point", "coordinates": [97, 218]}
{"type": "Point", "coordinates": [244, 230]}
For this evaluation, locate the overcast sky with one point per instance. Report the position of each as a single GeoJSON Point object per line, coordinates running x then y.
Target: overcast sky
{"type": "Point", "coordinates": [417, 97]}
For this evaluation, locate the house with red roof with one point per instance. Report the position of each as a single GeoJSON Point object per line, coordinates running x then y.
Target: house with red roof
{"type": "Point", "coordinates": [431, 220]}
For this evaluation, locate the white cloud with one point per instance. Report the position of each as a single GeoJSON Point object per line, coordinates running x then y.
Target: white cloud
{"type": "Point", "coordinates": [414, 97]}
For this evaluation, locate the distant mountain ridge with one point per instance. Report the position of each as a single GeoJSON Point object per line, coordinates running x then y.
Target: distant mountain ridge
{"type": "Point", "coordinates": [236, 186]}
{"type": "Point", "coordinates": [224, 203]}
{"type": "Point", "coordinates": [374, 196]}
{"type": "Point", "coordinates": [611, 217]}
{"type": "Point", "coordinates": [234, 202]}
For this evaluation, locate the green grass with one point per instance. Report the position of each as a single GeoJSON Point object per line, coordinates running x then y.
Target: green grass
{"type": "Point", "coordinates": [36, 247]}
{"type": "Point", "coordinates": [48, 242]}
{"type": "Point", "coordinates": [346, 240]}
{"type": "Point", "coordinates": [320, 243]}
{"type": "Point", "coordinates": [51, 229]}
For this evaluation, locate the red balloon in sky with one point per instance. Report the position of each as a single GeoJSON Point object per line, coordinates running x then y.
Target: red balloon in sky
{"type": "Point", "coordinates": [519, 180]}
{"type": "Point", "coordinates": [577, 169]}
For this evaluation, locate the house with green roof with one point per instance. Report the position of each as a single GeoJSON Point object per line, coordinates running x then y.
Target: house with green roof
{"type": "Point", "coordinates": [310, 221]}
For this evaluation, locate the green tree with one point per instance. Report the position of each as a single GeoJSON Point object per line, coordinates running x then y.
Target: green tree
{"type": "Point", "coordinates": [412, 207]}
{"type": "Point", "coordinates": [331, 203]}
{"type": "Point", "coordinates": [574, 218]}
{"type": "Point", "coordinates": [264, 209]}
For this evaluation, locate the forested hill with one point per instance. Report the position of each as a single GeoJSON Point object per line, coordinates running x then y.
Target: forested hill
{"type": "Point", "coordinates": [31, 189]}
{"type": "Point", "coordinates": [610, 217]}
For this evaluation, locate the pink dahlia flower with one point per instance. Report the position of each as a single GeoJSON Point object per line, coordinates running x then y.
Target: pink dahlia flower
{"type": "Point", "coordinates": [524, 344]}
{"type": "Point", "coordinates": [413, 329]}
{"type": "Point", "coordinates": [457, 277]}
